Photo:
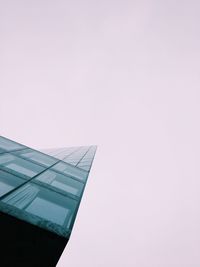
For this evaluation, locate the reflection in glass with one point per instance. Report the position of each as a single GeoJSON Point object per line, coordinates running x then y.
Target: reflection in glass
{"type": "Point", "coordinates": [43, 203]}
{"type": "Point", "coordinates": [37, 157]}
{"type": "Point", "coordinates": [61, 182]}
{"type": "Point", "coordinates": [71, 170]}
{"type": "Point", "coordinates": [84, 167]}
{"type": "Point", "coordinates": [44, 209]}
{"type": "Point", "coordinates": [19, 166]}
{"type": "Point", "coordinates": [8, 182]}
{"type": "Point", "coordinates": [9, 145]}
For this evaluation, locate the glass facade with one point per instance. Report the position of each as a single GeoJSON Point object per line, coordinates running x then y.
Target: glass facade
{"type": "Point", "coordinates": [61, 182]}
{"type": "Point", "coordinates": [43, 188]}
{"type": "Point", "coordinates": [8, 182]}
{"type": "Point", "coordinates": [8, 145]}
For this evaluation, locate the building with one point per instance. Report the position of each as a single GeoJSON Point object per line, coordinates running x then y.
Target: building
{"type": "Point", "coordinates": [40, 193]}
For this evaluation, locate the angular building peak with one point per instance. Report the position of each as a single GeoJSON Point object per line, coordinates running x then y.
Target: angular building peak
{"type": "Point", "coordinates": [40, 192]}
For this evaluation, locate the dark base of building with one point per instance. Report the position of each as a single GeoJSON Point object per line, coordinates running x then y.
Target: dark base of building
{"type": "Point", "coordinates": [26, 245]}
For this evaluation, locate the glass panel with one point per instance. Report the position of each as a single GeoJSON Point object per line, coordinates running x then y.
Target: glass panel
{"type": "Point", "coordinates": [61, 182]}
{"type": "Point", "coordinates": [84, 163]}
{"type": "Point", "coordinates": [4, 188]}
{"type": "Point", "coordinates": [21, 169]}
{"type": "Point", "coordinates": [6, 158]}
{"type": "Point", "coordinates": [2, 150]}
{"type": "Point", "coordinates": [8, 182]}
{"type": "Point", "coordinates": [19, 166]}
{"type": "Point", "coordinates": [42, 208]}
{"type": "Point", "coordinates": [85, 167]}
{"type": "Point", "coordinates": [72, 162]}
{"type": "Point", "coordinates": [71, 170]}
{"type": "Point", "coordinates": [90, 154]}
{"type": "Point", "coordinates": [60, 166]}
{"type": "Point", "coordinates": [65, 187]}
{"type": "Point", "coordinates": [9, 145]}
{"type": "Point", "coordinates": [59, 153]}
{"type": "Point", "coordinates": [37, 157]}
{"type": "Point", "coordinates": [43, 203]}
{"type": "Point", "coordinates": [88, 161]}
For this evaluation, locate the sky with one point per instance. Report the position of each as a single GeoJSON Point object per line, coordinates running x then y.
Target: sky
{"type": "Point", "coordinates": [123, 75]}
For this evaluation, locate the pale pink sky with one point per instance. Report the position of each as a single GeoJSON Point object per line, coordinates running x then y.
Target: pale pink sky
{"type": "Point", "coordinates": [123, 75]}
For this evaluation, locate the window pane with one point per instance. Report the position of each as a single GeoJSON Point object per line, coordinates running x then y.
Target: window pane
{"type": "Point", "coordinates": [6, 158]}
{"type": "Point", "coordinates": [42, 208]}
{"type": "Point", "coordinates": [8, 182]}
{"type": "Point", "coordinates": [43, 203]}
{"type": "Point", "coordinates": [61, 182]}
{"type": "Point", "coordinates": [84, 163]}
{"type": "Point", "coordinates": [2, 150]}
{"type": "Point", "coordinates": [4, 188]}
{"type": "Point", "coordinates": [9, 145]}
{"type": "Point", "coordinates": [65, 187]}
{"type": "Point", "coordinates": [72, 162]}
{"type": "Point", "coordinates": [37, 157]}
{"type": "Point", "coordinates": [85, 167]}
{"type": "Point", "coordinates": [70, 170]}
{"type": "Point", "coordinates": [19, 166]}
{"type": "Point", "coordinates": [21, 169]}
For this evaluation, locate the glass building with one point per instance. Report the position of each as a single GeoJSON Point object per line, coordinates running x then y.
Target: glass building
{"type": "Point", "coordinates": [40, 193]}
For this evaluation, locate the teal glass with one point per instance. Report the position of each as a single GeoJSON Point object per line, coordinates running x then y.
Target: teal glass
{"type": "Point", "coordinates": [8, 182]}
{"type": "Point", "coordinates": [43, 205]}
{"type": "Point", "coordinates": [60, 182]}
{"type": "Point", "coordinates": [2, 151]}
{"type": "Point", "coordinates": [37, 157]}
{"type": "Point", "coordinates": [71, 171]}
{"type": "Point", "coordinates": [84, 167]}
{"type": "Point", "coordinates": [43, 188]}
{"type": "Point", "coordinates": [19, 166]}
{"type": "Point", "coordinates": [9, 145]}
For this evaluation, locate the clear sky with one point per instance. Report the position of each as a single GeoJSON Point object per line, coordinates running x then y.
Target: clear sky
{"type": "Point", "coordinates": [123, 75]}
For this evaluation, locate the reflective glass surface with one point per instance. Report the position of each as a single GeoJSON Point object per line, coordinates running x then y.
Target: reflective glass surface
{"type": "Point", "coordinates": [19, 166]}
{"type": "Point", "coordinates": [45, 208]}
{"type": "Point", "coordinates": [71, 170]}
{"type": "Point", "coordinates": [8, 182]}
{"type": "Point", "coordinates": [9, 145]}
{"type": "Point", "coordinates": [72, 162]}
{"type": "Point", "coordinates": [61, 182]}
{"type": "Point", "coordinates": [2, 150]}
{"type": "Point", "coordinates": [40, 189]}
{"type": "Point", "coordinates": [37, 157]}
{"type": "Point", "coordinates": [43, 203]}
{"type": "Point", "coordinates": [85, 167]}
{"type": "Point", "coordinates": [83, 163]}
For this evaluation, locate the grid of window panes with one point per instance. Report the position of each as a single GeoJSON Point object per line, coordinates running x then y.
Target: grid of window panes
{"type": "Point", "coordinates": [43, 188]}
{"type": "Point", "coordinates": [80, 157]}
